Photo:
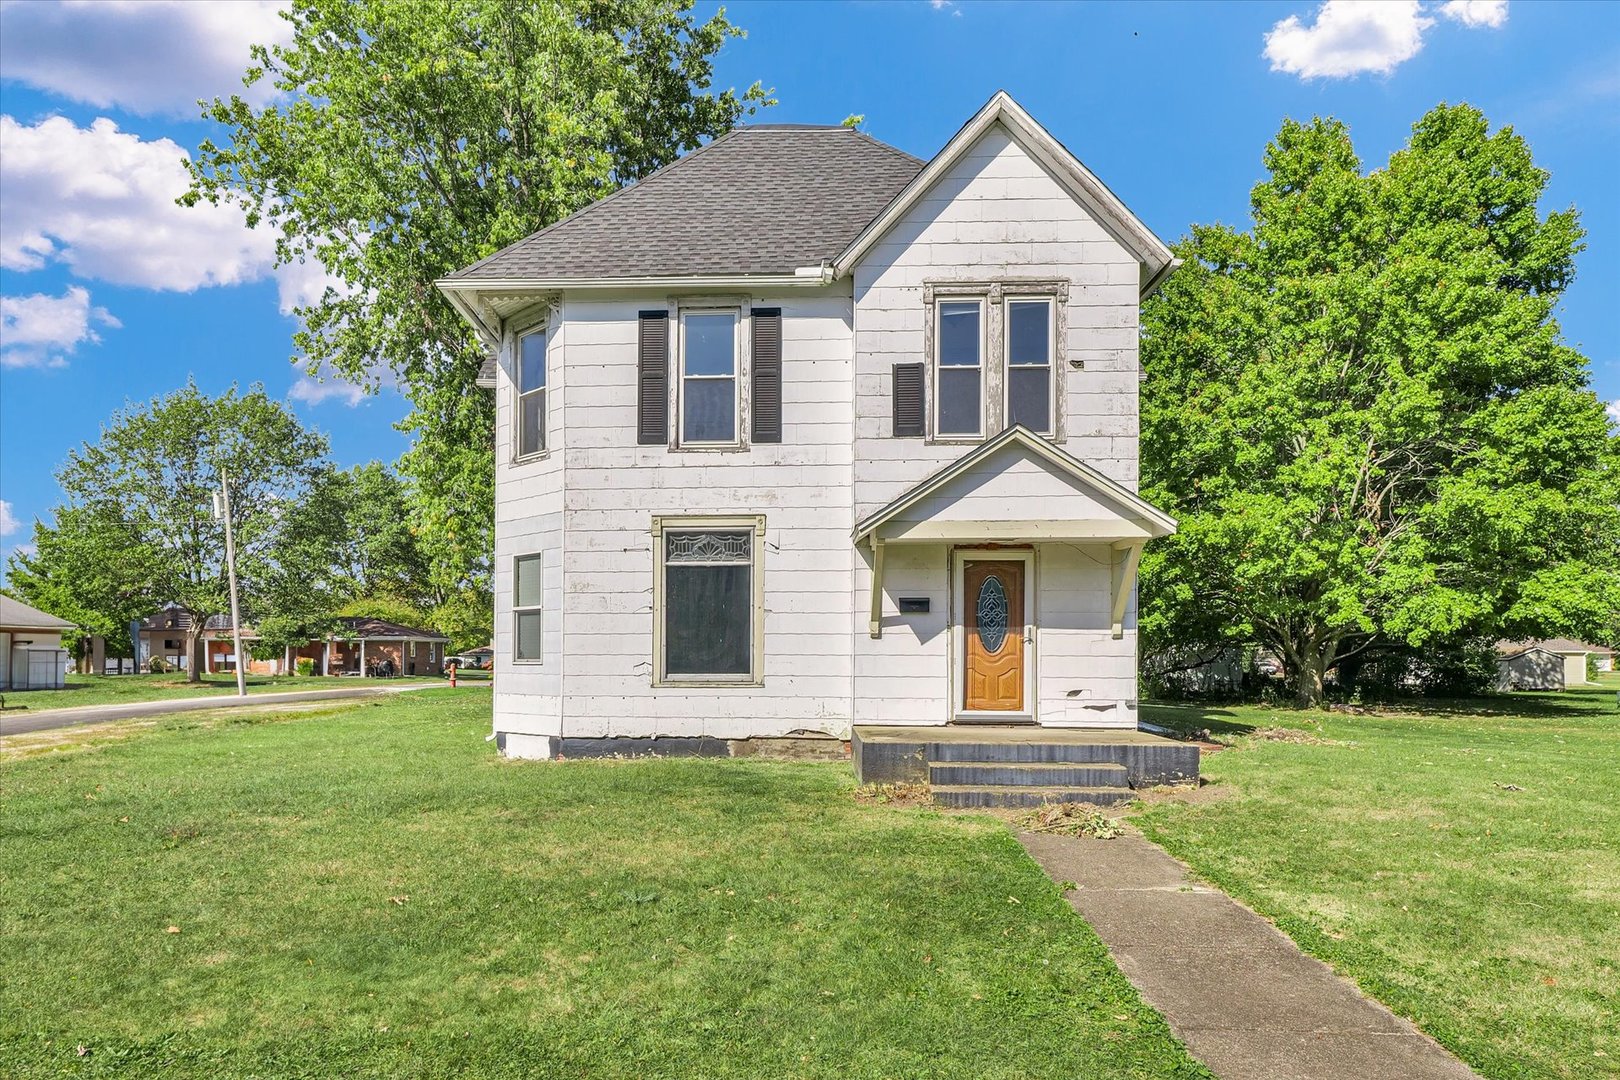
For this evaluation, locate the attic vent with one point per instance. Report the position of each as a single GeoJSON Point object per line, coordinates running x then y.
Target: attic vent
{"type": "Point", "coordinates": [908, 401]}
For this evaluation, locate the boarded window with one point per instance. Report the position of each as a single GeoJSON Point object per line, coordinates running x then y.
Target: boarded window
{"type": "Point", "coordinates": [1029, 364]}
{"type": "Point", "coordinates": [531, 382]}
{"type": "Point", "coordinates": [765, 376]}
{"type": "Point", "coordinates": [526, 605]}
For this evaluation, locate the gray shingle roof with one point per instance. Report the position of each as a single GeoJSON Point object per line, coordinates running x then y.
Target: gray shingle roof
{"type": "Point", "coordinates": [16, 614]}
{"type": "Point", "coordinates": [764, 199]}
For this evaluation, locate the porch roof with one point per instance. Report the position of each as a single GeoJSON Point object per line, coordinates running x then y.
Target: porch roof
{"type": "Point", "coordinates": [1017, 486]}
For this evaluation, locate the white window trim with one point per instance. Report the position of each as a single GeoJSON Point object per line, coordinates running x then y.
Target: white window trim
{"type": "Point", "coordinates": [754, 522]}
{"type": "Point", "coordinates": [540, 326]}
{"type": "Point", "coordinates": [935, 367]}
{"type": "Point", "coordinates": [1051, 358]}
{"type": "Point", "coordinates": [736, 312]}
{"type": "Point", "coordinates": [529, 609]}
{"type": "Point", "coordinates": [957, 709]}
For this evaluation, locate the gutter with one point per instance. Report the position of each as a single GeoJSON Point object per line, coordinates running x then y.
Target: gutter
{"type": "Point", "coordinates": [804, 277]}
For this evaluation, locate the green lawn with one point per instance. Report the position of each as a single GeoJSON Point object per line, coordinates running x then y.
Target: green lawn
{"type": "Point", "coordinates": [114, 689]}
{"type": "Point", "coordinates": [1402, 853]}
{"type": "Point", "coordinates": [370, 891]}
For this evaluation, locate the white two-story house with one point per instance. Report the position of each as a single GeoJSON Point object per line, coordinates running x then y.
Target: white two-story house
{"type": "Point", "coordinates": [802, 433]}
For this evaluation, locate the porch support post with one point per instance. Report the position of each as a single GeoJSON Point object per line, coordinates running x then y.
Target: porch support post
{"type": "Point", "coordinates": [326, 657]}
{"type": "Point", "coordinates": [877, 587]}
{"type": "Point", "coordinates": [362, 658]}
{"type": "Point", "coordinates": [1124, 574]}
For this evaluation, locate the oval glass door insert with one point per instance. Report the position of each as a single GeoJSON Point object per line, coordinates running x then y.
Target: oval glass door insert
{"type": "Point", "coordinates": [992, 614]}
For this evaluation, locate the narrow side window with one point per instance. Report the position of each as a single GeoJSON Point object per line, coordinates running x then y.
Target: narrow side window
{"type": "Point", "coordinates": [1030, 365]}
{"type": "Point", "coordinates": [531, 386]}
{"type": "Point", "coordinates": [959, 368]}
{"type": "Point", "coordinates": [526, 605]}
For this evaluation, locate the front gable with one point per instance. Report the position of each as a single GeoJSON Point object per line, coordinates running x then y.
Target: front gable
{"type": "Point", "coordinates": [1018, 487]}
{"type": "Point", "coordinates": [1003, 156]}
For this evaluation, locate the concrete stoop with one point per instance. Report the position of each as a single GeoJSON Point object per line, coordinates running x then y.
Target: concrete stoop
{"type": "Point", "coordinates": [1007, 766]}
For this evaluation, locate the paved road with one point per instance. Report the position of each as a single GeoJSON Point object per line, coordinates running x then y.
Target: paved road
{"type": "Point", "coordinates": [47, 719]}
{"type": "Point", "coordinates": [1244, 999]}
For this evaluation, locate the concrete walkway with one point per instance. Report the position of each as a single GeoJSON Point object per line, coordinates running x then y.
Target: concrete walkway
{"type": "Point", "coordinates": [1239, 993]}
{"type": "Point", "coordinates": [47, 719]}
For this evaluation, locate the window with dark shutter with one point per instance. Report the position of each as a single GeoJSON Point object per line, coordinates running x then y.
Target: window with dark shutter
{"type": "Point", "coordinates": [908, 401]}
{"type": "Point", "coordinates": [652, 380]}
{"type": "Point", "coordinates": [766, 412]}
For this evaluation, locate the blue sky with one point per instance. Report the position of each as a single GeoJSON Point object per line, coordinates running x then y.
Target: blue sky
{"type": "Point", "coordinates": [112, 295]}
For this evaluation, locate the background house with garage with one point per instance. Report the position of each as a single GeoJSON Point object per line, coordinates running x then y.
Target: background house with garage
{"type": "Point", "coordinates": [802, 433]}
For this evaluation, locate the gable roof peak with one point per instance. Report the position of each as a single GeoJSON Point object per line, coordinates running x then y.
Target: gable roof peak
{"type": "Point", "coordinates": [1154, 255]}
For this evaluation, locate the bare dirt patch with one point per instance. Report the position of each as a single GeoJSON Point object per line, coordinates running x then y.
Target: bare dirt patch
{"type": "Point", "coordinates": [905, 794]}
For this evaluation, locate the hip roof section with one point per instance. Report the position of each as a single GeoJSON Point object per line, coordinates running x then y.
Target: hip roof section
{"type": "Point", "coordinates": [761, 199]}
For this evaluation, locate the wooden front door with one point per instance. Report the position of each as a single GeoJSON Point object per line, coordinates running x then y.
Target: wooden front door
{"type": "Point", "coordinates": [993, 609]}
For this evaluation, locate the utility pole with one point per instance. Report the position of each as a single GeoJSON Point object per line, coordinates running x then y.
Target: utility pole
{"type": "Point", "coordinates": [224, 510]}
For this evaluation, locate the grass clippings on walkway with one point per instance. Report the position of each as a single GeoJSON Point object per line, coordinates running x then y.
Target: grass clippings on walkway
{"type": "Point", "coordinates": [370, 891]}
{"type": "Point", "coordinates": [1460, 862]}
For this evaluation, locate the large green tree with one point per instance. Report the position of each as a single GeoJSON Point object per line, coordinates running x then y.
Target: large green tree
{"type": "Point", "coordinates": [1363, 412]}
{"type": "Point", "coordinates": [412, 139]}
{"type": "Point", "coordinates": [138, 530]}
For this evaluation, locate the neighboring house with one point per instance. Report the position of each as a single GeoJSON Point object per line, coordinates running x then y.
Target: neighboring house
{"type": "Point", "coordinates": [166, 635]}
{"type": "Point", "coordinates": [371, 647]}
{"type": "Point", "coordinates": [1551, 664]}
{"type": "Point", "coordinates": [801, 433]}
{"type": "Point", "coordinates": [31, 653]}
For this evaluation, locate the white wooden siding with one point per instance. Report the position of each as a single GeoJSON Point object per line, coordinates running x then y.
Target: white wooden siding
{"type": "Point", "coordinates": [588, 505]}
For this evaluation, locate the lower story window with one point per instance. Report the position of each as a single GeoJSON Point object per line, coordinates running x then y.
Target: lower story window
{"type": "Point", "coordinates": [709, 604]}
{"type": "Point", "coordinates": [526, 596]}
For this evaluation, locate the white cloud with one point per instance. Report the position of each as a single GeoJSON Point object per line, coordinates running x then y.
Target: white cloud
{"type": "Point", "coordinates": [42, 330]}
{"type": "Point", "coordinates": [145, 56]}
{"type": "Point", "coordinates": [102, 201]}
{"type": "Point", "coordinates": [1476, 13]}
{"type": "Point", "coordinates": [326, 385]}
{"type": "Point", "coordinates": [1614, 410]}
{"type": "Point", "coordinates": [8, 521]}
{"type": "Point", "coordinates": [1350, 37]}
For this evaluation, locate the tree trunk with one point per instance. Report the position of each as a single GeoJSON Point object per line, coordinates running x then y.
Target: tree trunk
{"type": "Point", "coordinates": [199, 656]}
{"type": "Point", "coordinates": [1308, 685]}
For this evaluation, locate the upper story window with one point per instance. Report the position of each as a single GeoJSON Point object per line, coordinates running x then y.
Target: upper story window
{"type": "Point", "coordinates": [708, 378]}
{"type": "Point", "coordinates": [1029, 363]}
{"type": "Point", "coordinates": [959, 368]}
{"type": "Point", "coordinates": [530, 421]}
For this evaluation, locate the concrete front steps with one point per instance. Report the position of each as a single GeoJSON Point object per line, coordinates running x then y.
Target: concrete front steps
{"type": "Point", "coordinates": [973, 766]}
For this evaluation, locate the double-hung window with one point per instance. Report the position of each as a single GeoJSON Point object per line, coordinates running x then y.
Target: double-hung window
{"type": "Point", "coordinates": [1029, 364]}
{"type": "Point", "coordinates": [959, 368]}
{"type": "Point", "coordinates": [708, 386]}
{"type": "Point", "coordinates": [709, 600]}
{"type": "Point", "coordinates": [526, 605]}
{"type": "Point", "coordinates": [531, 397]}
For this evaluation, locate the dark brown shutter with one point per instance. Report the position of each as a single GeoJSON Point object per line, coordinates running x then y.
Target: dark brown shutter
{"type": "Point", "coordinates": [652, 380]}
{"type": "Point", "coordinates": [908, 401]}
{"type": "Point", "coordinates": [766, 374]}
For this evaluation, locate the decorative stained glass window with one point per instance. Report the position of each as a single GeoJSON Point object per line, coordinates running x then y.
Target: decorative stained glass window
{"type": "Point", "coordinates": [992, 614]}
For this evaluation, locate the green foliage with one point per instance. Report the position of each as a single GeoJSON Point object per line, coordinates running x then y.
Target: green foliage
{"type": "Point", "coordinates": [386, 608]}
{"type": "Point", "coordinates": [467, 618]}
{"type": "Point", "coordinates": [304, 666]}
{"type": "Point", "coordinates": [410, 140]}
{"type": "Point", "coordinates": [1364, 416]}
{"type": "Point", "coordinates": [137, 529]}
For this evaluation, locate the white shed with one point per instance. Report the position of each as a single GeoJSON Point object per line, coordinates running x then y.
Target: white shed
{"type": "Point", "coordinates": [1551, 664]}
{"type": "Point", "coordinates": [31, 653]}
